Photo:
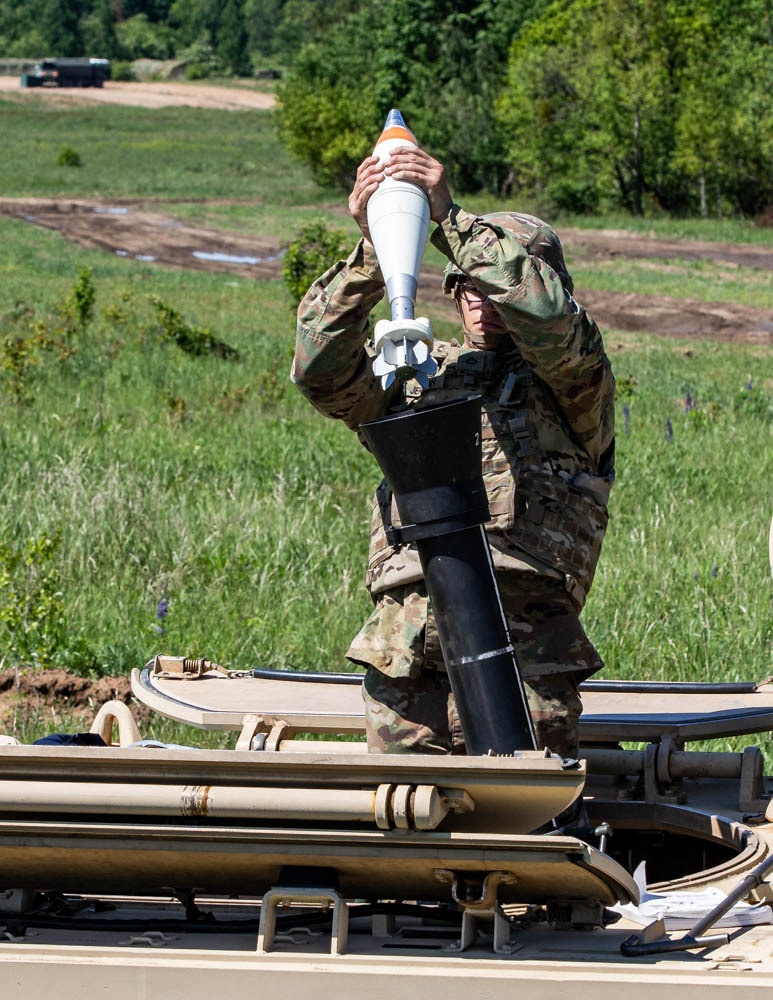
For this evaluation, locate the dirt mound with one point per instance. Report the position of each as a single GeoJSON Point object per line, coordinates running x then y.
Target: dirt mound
{"type": "Point", "coordinates": [57, 694]}
{"type": "Point", "coordinates": [59, 685]}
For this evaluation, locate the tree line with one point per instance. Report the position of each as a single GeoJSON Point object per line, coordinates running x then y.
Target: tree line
{"type": "Point", "coordinates": [213, 36]}
{"type": "Point", "coordinates": [578, 105]}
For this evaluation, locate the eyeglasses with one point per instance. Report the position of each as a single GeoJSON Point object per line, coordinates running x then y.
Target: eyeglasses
{"type": "Point", "coordinates": [465, 285]}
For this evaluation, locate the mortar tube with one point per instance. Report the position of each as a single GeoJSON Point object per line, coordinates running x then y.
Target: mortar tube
{"type": "Point", "coordinates": [479, 656]}
{"type": "Point", "coordinates": [431, 459]}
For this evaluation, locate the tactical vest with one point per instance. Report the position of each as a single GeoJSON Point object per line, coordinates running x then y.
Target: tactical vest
{"type": "Point", "coordinates": [547, 504]}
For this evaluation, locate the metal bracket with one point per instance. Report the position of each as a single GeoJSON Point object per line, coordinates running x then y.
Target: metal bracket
{"type": "Point", "coordinates": [762, 894]}
{"type": "Point", "coordinates": [751, 793]}
{"type": "Point", "coordinates": [15, 901]}
{"type": "Point", "coordinates": [105, 719]}
{"type": "Point", "coordinates": [659, 786]}
{"type": "Point", "coordinates": [656, 931]}
{"type": "Point", "coordinates": [153, 939]}
{"type": "Point", "coordinates": [280, 730]}
{"type": "Point", "coordinates": [279, 896]}
{"type": "Point", "coordinates": [485, 908]}
{"type": "Point", "coordinates": [254, 735]}
{"type": "Point", "coordinates": [184, 667]}
{"type": "Point", "coordinates": [252, 726]}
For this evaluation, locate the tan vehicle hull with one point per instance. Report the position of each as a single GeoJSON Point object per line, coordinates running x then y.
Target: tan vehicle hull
{"type": "Point", "coordinates": [316, 868]}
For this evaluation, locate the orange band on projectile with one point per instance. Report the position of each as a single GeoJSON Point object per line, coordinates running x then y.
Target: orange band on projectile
{"type": "Point", "coordinates": [396, 132]}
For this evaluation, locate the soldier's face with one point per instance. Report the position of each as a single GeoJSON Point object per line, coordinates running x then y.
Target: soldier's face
{"type": "Point", "coordinates": [483, 326]}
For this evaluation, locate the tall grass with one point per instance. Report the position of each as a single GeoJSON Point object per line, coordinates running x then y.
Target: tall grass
{"type": "Point", "coordinates": [684, 588]}
{"type": "Point", "coordinates": [133, 152]}
{"type": "Point", "coordinates": [701, 280]}
{"type": "Point", "coordinates": [205, 480]}
{"type": "Point", "coordinates": [212, 485]}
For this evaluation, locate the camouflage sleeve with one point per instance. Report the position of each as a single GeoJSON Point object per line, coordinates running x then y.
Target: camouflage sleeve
{"type": "Point", "coordinates": [553, 332]}
{"type": "Point", "coordinates": [331, 365]}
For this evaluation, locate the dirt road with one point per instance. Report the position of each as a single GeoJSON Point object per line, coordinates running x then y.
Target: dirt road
{"type": "Point", "coordinates": [137, 230]}
{"type": "Point", "coordinates": [156, 94]}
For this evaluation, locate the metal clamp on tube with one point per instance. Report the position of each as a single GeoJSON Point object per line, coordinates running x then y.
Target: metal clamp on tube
{"type": "Point", "coordinates": [431, 459]}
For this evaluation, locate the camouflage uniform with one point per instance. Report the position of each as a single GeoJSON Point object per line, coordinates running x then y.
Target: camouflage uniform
{"type": "Point", "coordinates": [548, 449]}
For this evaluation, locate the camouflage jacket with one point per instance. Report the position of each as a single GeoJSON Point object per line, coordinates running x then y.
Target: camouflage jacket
{"type": "Point", "coordinates": [548, 401]}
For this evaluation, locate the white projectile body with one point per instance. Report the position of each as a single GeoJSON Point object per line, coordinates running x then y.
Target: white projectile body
{"type": "Point", "coordinates": [398, 220]}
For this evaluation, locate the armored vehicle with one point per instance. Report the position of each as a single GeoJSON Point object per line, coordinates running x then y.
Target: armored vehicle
{"type": "Point", "coordinates": [310, 866]}
{"type": "Point", "coordinates": [68, 72]}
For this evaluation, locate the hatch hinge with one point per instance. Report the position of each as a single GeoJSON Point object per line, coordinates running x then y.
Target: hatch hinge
{"type": "Point", "coordinates": [285, 897]}
{"type": "Point", "coordinates": [479, 901]}
{"type": "Point", "coordinates": [659, 784]}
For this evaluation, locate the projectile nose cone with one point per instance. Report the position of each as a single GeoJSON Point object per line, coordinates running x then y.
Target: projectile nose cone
{"type": "Point", "coordinates": [394, 120]}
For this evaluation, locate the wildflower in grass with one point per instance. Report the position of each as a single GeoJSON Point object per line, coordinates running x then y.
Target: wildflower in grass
{"type": "Point", "coordinates": [161, 612]}
{"type": "Point", "coordinates": [669, 430]}
{"type": "Point", "coordinates": [689, 403]}
{"type": "Point", "coordinates": [749, 386]}
{"type": "Point", "coordinates": [715, 571]}
{"type": "Point", "coordinates": [626, 417]}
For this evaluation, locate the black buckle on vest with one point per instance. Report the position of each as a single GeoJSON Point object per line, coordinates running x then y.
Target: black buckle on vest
{"type": "Point", "coordinates": [532, 511]}
{"type": "Point", "coordinates": [395, 535]}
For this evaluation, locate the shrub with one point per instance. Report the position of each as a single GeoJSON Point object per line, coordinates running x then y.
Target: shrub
{"type": "Point", "coordinates": [69, 157]}
{"type": "Point", "coordinates": [314, 250]}
{"type": "Point", "coordinates": [18, 357]}
{"type": "Point", "coordinates": [191, 339]}
{"type": "Point", "coordinates": [123, 72]}
{"type": "Point", "coordinates": [78, 308]}
{"type": "Point", "coordinates": [31, 603]}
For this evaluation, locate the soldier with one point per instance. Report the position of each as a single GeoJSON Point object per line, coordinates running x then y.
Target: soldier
{"type": "Point", "coordinates": [537, 359]}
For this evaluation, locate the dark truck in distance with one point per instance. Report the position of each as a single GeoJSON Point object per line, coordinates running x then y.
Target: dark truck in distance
{"type": "Point", "coordinates": [68, 72]}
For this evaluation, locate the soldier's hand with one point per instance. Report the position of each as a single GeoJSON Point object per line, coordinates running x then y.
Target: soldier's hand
{"type": "Point", "coordinates": [370, 174]}
{"type": "Point", "coordinates": [409, 163]}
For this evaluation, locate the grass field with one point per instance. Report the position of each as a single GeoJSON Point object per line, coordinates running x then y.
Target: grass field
{"type": "Point", "coordinates": [134, 473]}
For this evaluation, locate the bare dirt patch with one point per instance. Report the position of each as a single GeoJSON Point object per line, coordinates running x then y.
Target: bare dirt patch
{"type": "Point", "coordinates": [136, 230]}
{"type": "Point", "coordinates": [133, 230]}
{"type": "Point", "coordinates": [155, 94]}
{"type": "Point", "coordinates": [59, 698]}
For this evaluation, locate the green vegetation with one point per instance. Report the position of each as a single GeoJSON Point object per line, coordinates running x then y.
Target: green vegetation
{"type": "Point", "coordinates": [69, 157]}
{"type": "Point", "coordinates": [32, 608]}
{"type": "Point", "coordinates": [624, 103]}
{"type": "Point", "coordinates": [163, 153]}
{"type": "Point", "coordinates": [136, 471]}
{"type": "Point", "coordinates": [700, 280]}
{"type": "Point", "coordinates": [583, 105]}
{"type": "Point", "coordinates": [170, 471]}
{"type": "Point", "coordinates": [684, 586]}
{"type": "Point", "coordinates": [649, 106]}
{"type": "Point", "coordinates": [233, 37]}
{"type": "Point", "coordinates": [313, 251]}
